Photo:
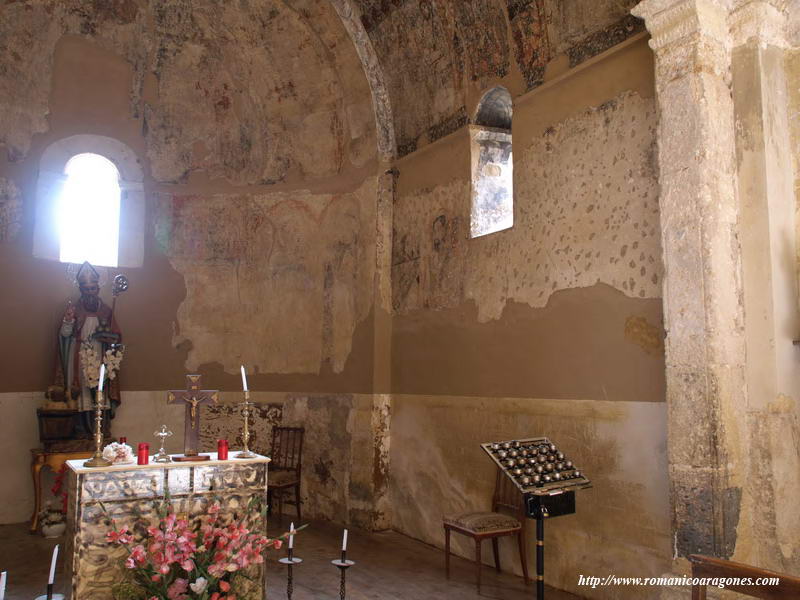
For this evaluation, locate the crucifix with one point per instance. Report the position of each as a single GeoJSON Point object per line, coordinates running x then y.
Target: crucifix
{"type": "Point", "coordinates": [193, 398]}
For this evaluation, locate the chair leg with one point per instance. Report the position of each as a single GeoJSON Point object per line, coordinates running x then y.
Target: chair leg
{"type": "Point", "coordinates": [523, 559]}
{"type": "Point", "coordinates": [478, 562]}
{"type": "Point", "coordinates": [496, 550]}
{"type": "Point", "coordinates": [297, 501]}
{"type": "Point", "coordinates": [447, 552]}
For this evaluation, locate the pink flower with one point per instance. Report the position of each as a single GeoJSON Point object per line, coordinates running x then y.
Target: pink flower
{"type": "Point", "coordinates": [122, 536]}
{"type": "Point", "coordinates": [224, 586]}
{"type": "Point", "coordinates": [177, 591]}
{"type": "Point", "coordinates": [188, 565]}
{"type": "Point", "coordinates": [136, 558]}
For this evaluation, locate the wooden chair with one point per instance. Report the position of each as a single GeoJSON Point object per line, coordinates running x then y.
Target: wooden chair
{"type": "Point", "coordinates": [491, 525]}
{"type": "Point", "coordinates": [706, 566]}
{"type": "Point", "coordinates": [284, 471]}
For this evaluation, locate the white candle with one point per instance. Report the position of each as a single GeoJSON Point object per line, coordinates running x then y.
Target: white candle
{"type": "Point", "coordinates": [53, 565]}
{"type": "Point", "coordinates": [2, 585]}
{"type": "Point", "coordinates": [244, 379]}
{"type": "Point", "coordinates": [291, 536]}
{"type": "Point", "coordinates": [102, 377]}
{"type": "Point", "coordinates": [344, 541]}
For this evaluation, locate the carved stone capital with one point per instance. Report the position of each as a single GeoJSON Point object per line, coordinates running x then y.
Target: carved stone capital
{"type": "Point", "coordinates": [761, 21]}
{"type": "Point", "coordinates": [672, 21]}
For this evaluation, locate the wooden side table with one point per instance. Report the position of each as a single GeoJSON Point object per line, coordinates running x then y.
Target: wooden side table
{"type": "Point", "coordinates": [55, 460]}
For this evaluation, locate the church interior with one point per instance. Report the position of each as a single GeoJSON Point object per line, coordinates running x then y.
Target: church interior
{"type": "Point", "coordinates": [519, 270]}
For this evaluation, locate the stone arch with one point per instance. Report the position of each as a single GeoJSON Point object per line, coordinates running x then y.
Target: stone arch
{"type": "Point", "coordinates": [495, 109]}
{"type": "Point", "coordinates": [384, 124]}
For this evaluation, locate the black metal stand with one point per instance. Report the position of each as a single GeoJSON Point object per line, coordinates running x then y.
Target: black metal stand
{"type": "Point", "coordinates": [343, 564]}
{"type": "Point", "coordinates": [540, 556]}
{"type": "Point", "coordinates": [289, 561]}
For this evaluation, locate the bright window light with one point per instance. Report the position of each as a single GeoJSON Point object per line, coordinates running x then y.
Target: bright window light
{"type": "Point", "coordinates": [88, 211]}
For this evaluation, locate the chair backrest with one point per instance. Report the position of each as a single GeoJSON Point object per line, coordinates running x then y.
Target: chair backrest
{"type": "Point", "coordinates": [507, 496]}
{"type": "Point", "coordinates": [771, 586]}
{"type": "Point", "coordinates": [287, 448]}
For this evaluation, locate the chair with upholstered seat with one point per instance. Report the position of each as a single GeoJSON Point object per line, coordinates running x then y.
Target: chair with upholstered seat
{"type": "Point", "coordinates": [491, 525]}
{"type": "Point", "coordinates": [284, 471]}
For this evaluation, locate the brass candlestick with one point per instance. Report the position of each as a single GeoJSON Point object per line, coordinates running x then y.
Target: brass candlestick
{"type": "Point", "coordinates": [246, 453]}
{"type": "Point", "coordinates": [97, 460]}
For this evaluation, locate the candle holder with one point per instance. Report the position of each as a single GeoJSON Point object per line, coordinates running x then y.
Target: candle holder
{"type": "Point", "coordinates": [50, 596]}
{"type": "Point", "coordinates": [246, 453]}
{"type": "Point", "coordinates": [343, 564]}
{"type": "Point", "coordinates": [97, 459]}
{"type": "Point", "coordinates": [290, 561]}
{"type": "Point", "coordinates": [162, 456]}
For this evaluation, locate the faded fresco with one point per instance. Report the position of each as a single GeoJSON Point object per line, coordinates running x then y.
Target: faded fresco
{"type": "Point", "coordinates": [586, 211]}
{"type": "Point", "coordinates": [277, 281]}
{"type": "Point", "coordinates": [195, 86]}
{"type": "Point", "coordinates": [438, 54]}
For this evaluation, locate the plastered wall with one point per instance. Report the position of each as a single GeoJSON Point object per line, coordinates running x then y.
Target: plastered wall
{"type": "Point", "coordinates": [553, 327]}
{"type": "Point", "coordinates": [260, 186]}
{"type": "Point", "coordinates": [262, 245]}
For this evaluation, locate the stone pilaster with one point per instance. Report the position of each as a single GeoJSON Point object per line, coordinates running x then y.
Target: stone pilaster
{"type": "Point", "coordinates": [730, 288]}
{"type": "Point", "coordinates": [767, 233]}
{"type": "Point", "coordinates": [702, 286]}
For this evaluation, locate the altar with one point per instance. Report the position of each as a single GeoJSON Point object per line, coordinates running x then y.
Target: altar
{"type": "Point", "coordinates": [130, 494]}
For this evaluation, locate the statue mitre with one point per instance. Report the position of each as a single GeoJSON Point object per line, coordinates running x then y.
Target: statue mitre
{"type": "Point", "coordinates": [87, 274]}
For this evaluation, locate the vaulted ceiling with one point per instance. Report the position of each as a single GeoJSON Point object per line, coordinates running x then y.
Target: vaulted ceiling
{"type": "Point", "coordinates": [259, 91]}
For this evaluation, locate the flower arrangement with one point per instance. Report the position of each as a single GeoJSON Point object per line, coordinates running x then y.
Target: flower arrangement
{"type": "Point", "coordinates": [118, 454]}
{"type": "Point", "coordinates": [179, 561]}
{"type": "Point", "coordinates": [52, 521]}
{"type": "Point", "coordinates": [51, 516]}
{"type": "Point", "coordinates": [90, 362]}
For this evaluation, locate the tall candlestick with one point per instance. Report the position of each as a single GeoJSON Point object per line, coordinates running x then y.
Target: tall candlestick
{"type": "Point", "coordinates": [102, 376]}
{"type": "Point", "coordinates": [291, 536]}
{"type": "Point", "coordinates": [3, 576]}
{"type": "Point", "coordinates": [244, 379]}
{"type": "Point", "coordinates": [344, 541]}
{"type": "Point", "coordinates": [53, 566]}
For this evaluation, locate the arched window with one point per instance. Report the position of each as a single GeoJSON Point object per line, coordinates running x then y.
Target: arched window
{"type": "Point", "coordinates": [90, 203]}
{"type": "Point", "coordinates": [492, 164]}
{"type": "Point", "coordinates": [88, 211]}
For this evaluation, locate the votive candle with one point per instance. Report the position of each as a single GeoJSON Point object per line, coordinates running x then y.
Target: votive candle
{"type": "Point", "coordinates": [143, 454]}
{"type": "Point", "coordinates": [222, 449]}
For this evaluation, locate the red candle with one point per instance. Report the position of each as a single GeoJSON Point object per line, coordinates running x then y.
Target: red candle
{"type": "Point", "coordinates": [143, 453]}
{"type": "Point", "coordinates": [222, 449]}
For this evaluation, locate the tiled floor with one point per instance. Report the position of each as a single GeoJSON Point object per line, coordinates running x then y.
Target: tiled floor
{"type": "Point", "coordinates": [389, 566]}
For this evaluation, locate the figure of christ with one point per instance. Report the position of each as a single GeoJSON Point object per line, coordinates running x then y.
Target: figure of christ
{"type": "Point", "coordinates": [193, 398]}
{"type": "Point", "coordinates": [87, 324]}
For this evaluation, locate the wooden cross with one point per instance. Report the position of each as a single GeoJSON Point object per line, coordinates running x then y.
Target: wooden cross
{"type": "Point", "coordinates": [193, 397]}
